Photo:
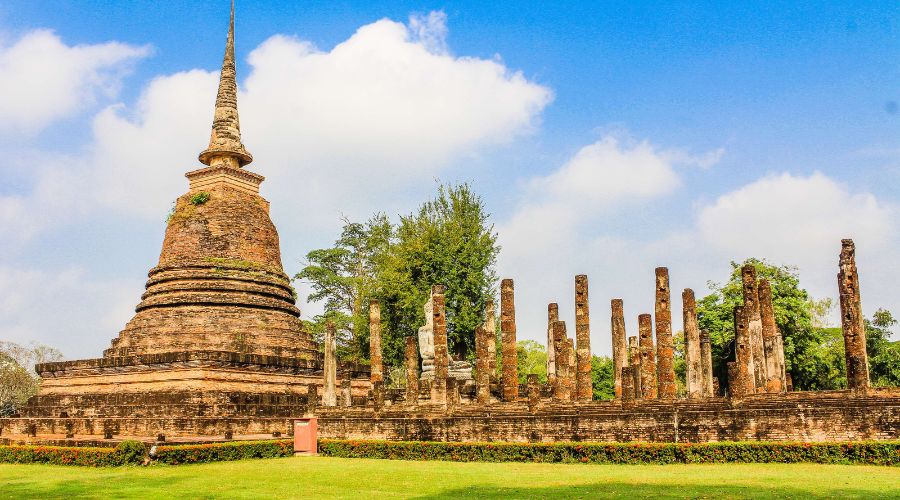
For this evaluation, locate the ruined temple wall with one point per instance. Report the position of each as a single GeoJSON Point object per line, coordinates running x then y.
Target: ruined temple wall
{"type": "Point", "coordinates": [813, 418]}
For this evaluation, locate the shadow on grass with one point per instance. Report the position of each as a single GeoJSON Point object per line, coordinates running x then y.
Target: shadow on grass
{"type": "Point", "coordinates": [666, 490]}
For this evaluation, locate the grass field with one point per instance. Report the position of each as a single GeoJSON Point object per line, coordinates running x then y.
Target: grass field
{"type": "Point", "coordinates": [305, 477]}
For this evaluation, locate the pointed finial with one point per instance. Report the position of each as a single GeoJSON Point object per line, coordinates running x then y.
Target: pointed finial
{"type": "Point", "coordinates": [225, 145]}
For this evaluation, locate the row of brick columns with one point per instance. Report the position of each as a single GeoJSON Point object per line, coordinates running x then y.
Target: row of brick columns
{"type": "Point", "coordinates": [642, 369]}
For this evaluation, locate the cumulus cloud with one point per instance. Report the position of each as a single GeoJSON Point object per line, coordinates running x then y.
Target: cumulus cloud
{"type": "Point", "coordinates": [46, 80]}
{"type": "Point", "coordinates": [794, 218]}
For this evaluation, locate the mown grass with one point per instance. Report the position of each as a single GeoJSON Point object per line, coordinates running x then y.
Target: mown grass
{"type": "Point", "coordinates": [311, 477]}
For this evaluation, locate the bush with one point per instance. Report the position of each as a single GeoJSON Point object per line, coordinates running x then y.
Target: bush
{"type": "Point", "coordinates": [132, 452]}
{"type": "Point", "coordinates": [64, 455]}
{"type": "Point", "coordinates": [200, 198]}
{"type": "Point", "coordinates": [867, 452]}
{"type": "Point", "coordinates": [220, 452]}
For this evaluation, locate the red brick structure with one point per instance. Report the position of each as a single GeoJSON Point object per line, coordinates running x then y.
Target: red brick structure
{"type": "Point", "coordinates": [441, 354]}
{"type": "Point", "coordinates": [665, 344]}
{"type": "Point", "coordinates": [619, 345]}
{"type": "Point", "coordinates": [692, 356]}
{"type": "Point", "coordinates": [510, 376]}
{"type": "Point", "coordinates": [772, 342]}
{"type": "Point", "coordinates": [376, 368]}
{"type": "Point", "coordinates": [584, 391]}
{"type": "Point", "coordinates": [648, 357]}
{"type": "Point", "coordinates": [852, 320]}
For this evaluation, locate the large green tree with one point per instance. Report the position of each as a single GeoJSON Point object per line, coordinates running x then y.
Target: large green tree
{"type": "Point", "coordinates": [884, 355]}
{"type": "Point", "coordinates": [449, 240]}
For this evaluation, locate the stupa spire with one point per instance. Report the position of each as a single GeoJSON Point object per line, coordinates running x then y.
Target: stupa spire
{"type": "Point", "coordinates": [225, 147]}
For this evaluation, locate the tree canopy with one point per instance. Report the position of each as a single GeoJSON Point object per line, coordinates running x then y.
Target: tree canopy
{"type": "Point", "coordinates": [449, 240]}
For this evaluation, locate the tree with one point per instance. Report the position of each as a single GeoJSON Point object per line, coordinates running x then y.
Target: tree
{"type": "Point", "coordinates": [18, 381]}
{"type": "Point", "coordinates": [532, 359]}
{"type": "Point", "coordinates": [602, 380]}
{"type": "Point", "coordinates": [448, 241]}
{"type": "Point", "coordinates": [884, 355]}
{"type": "Point", "coordinates": [802, 342]}
{"type": "Point", "coordinates": [345, 276]}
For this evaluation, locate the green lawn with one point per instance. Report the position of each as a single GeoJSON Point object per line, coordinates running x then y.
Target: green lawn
{"type": "Point", "coordinates": [305, 477]}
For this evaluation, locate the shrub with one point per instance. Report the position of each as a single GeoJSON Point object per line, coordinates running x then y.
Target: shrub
{"type": "Point", "coordinates": [866, 452]}
{"type": "Point", "coordinates": [219, 452]}
{"type": "Point", "coordinates": [132, 452]}
{"type": "Point", "coordinates": [200, 198]}
{"type": "Point", "coordinates": [60, 455]}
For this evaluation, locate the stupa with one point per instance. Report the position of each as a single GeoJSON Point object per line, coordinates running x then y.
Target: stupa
{"type": "Point", "coordinates": [216, 345]}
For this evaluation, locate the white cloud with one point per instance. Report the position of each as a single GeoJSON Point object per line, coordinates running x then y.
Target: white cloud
{"type": "Point", "coordinates": [792, 219]}
{"type": "Point", "coordinates": [45, 80]}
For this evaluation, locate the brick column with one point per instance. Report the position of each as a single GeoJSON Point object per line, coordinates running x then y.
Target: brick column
{"type": "Point", "coordinates": [441, 356]}
{"type": "Point", "coordinates": [377, 369]}
{"type": "Point", "coordinates": [482, 373]}
{"type": "Point", "coordinates": [634, 353]}
{"type": "Point", "coordinates": [412, 370]}
{"type": "Point", "coordinates": [312, 399]}
{"type": "Point", "coordinates": [561, 391]}
{"type": "Point", "coordinates": [852, 320]}
{"type": "Point", "coordinates": [706, 364]}
{"type": "Point", "coordinates": [583, 386]}
{"type": "Point", "coordinates": [665, 345]}
{"type": "Point", "coordinates": [508, 332]}
{"type": "Point", "coordinates": [552, 317]}
{"type": "Point", "coordinates": [378, 394]}
{"type": "Point", "coordinates": [534, 391]}
{"type": "Point", "coordinates": [619, 344]}
{"type": "Point", "coordinates": [626, 387]}
{"type": "Point", "coordinates": [754, 326]}
{"type": "Point", "coordinates": [648, 357]}
{"type": "Point", "coordinates": [490, 330]}
{"type": "Point", "coordinates": [329, 395]}
{"type": "Point", "coordinates": [346, 393]}
{"type": "Point", "coordinates": [692, 357]}
{"type": "Point", "coordinates": [743, 379]}
{"type": "Point", "coordinates": [572, 369]}
{"type": "Point", "coordinates": [772, 342]}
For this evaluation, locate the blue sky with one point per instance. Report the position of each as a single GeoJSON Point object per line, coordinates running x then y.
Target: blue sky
{"type": "Point", "coordinates": [605, 138]}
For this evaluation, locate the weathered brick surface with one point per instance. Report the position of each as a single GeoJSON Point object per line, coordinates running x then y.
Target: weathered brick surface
{"type": "Point", "coordinates": [482, 372]}
{"type": "Point", "coordinates": [824, 416]}
{"type": "Point", "coordinates": [552, 317]}
{"type": "Point", "coordinates": [510, 377]}
{"type": "Point", "coordinates": [562, 389]}
{"type": "Point", "coordinates": [490, 330]}
{"type": "Point", "coordinates": [377, 371]}
{"type": "Point", "coordinates": [619, 344]}
{"type": "Point", "coordinates": [754, 326]}
{"type": "Point", "coordinates": [412, 370]}
{"type": "Point", "coordinates": [583, 388]}
{"type": "Point", "coordinates": [741, 381]}
{"type": "Point", "coordinates": [706, 365]}
{"type": "Point", "coordinates": [692, 356]}
{"type": "Point", "coordinates": [329, 397]}
{"type": "Point", "coordinates": [634, 353]}
{"type": "Point", "coordinates": [772, 341]}
{"type": "Point", "coordinates": [648, 357]}
{"type": "Point", "coordinates": [441, 355]}
{"type": "Point", "coordinates": [852, 319]}
{"type": "Point", "coordinates": [665, 344]}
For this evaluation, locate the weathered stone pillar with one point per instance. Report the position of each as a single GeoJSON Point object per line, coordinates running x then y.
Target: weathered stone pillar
{"type": "Point", "coordinates": [852, 320]}
{"type": "Point", "coordinates": [346, 393]}
{"type": "Point", "coordinates": [789, 383]}
{"type": "Point", "coordinates": [772, 342]}
{"type": "Point", "coordinates": [552, 317]}
{"type": "Point", "coordinates": [329, 396]}
{"type": "Point", "coordinates": [482, 373]}
{"type": "Point", "coordinates": [572, 369]}
{"type": "Point", "coordinates": [754, 326]}
{"type": "Point", "coordinates": [692, 355]}
{"type": "Point", "coordinates": [441, 356]}
{"type": "Point", "coordinates": [634, 352]}
{"type": "Point", "coordinates": [743, 379]}
{"type": "Point", "coordinates": [490, 329]}
{"type": "Point", "coordinates": [706, 364]}
{"type": "Point", "coordinates": [583, 387]}
{"type": "Point", "coordinates": [534, 391]}
{"type": "Point", "coordinates": [377, 368]}
{"type": "Point", "coordinates": [733, 378]}
{"type": "Point", "coordinates": [665, 344]}
{"type": "Point", "coordinates": [452, 395]}
{"type": "Point", "coordinates": [412, 375]}
{"type": "Point", "coordinates": [648, 357]}
{"type": "Point", "coordinates": [561, 391]}
{"type": "Point", "coordinates": [510, 377]}
{"type": "Point", "coordinates": [619, 344]}
{"type": "Point", "coordinates": [626, 388]}
{"type": "Point", "coordinates": [378, 394]}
